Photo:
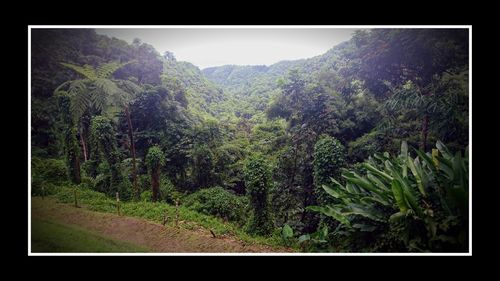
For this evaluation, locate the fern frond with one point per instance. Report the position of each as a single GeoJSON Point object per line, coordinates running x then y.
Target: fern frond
{"type": "Point", "coordinates": [61, 87]}
{"type": "Point", "coordinates": [129, 86]}
{"type": "Point", "coordinates": [79, 103]}
{"type": "Point", "coordinates": [107, 69]}
{"type": "Point", "coordinates": [87, 71]}
{"type": "Point", "coordinates": [114, 95]}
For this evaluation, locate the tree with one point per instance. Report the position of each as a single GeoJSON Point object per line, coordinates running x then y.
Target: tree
{"type": "Point", "coordinates": [104, 134]}
{"type": "Point", "coordinates": [158, 118]}
{"type": "Point", "coordinates": [392, 57]}
{"type": "Point", "coordinates": [97, 90]}
{"type": "Point", "coordinates": [257, 181]}
{"type": "Point", "coordinates": [71, 148]}
{"type": "Point", "coordinates": [155, 160]}
{"type": "Point", "coordinates": [203, 166]}
{"type": "Point", "coordinates": [329, 155]}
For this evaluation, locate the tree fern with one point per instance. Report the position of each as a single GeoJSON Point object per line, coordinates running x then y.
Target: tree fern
{"type": "Point", "coordinates": [97, 90]}
{"type": "Point", "coordinates": [87, 70]}
{"type": "Point", "coordinates": [106, 70]}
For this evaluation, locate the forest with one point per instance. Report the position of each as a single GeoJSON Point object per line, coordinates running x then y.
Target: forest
{"type": "Point", "coordinates": [362, 149]}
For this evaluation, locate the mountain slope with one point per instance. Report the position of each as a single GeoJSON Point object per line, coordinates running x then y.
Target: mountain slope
{"type": "Point", "coordinates": [251, 87]}
{"type": "Point", "coordinates": [203, 95]}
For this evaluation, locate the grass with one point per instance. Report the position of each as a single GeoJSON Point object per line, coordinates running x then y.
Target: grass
{"type": "Point", "coordinates": [50, 237]}
{"type": "Point", "coordinates": [155, 211]}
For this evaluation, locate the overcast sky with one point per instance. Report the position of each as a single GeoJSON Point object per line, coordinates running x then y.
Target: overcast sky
{"type": "Point", "coordinates": [205, 47]}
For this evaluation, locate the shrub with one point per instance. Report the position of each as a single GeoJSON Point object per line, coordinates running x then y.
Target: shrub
{"type": "Point", "coordinates": [168, 192]}
{"type": "Point", "coordinates": [328, 160]}
{"type": "Point", "coordinates": [155, 159]}
{"type": "Point", "coordinates": [147, 196]}
{"type": "Point", "coordinates": [218, 202]}
{"type": "Point", "coordinates": [47, 173]}
{"type": "Point", "coordinates": [258, 182]}
{"type": "Point", "coordinates": [50, 170]}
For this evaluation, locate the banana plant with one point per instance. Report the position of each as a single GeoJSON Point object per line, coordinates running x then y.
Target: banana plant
{"type": "Point", "coordinates": [404, 188]}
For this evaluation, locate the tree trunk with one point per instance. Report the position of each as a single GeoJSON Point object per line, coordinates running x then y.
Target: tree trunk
{"type": "Point", "coordinates": [425, 128]}
{"type": "Point", "coordinates": [132, 151]}
{"type": "Point", "coordinates": [77, 177]}
{"type": "Point", "coordinates": [82, 141]}
{"type": "Point", "coordinates": [155, 183]}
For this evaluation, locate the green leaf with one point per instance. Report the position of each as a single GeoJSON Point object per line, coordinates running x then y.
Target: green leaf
{"type": "Point", "coordinates": [287, 231]}
{"type": "Point", "coordinates": [377, 182]}
{"type": "Point", "coordinates": [364, 227]}
{"type": "Point", "coordinates": [330, 212]}
{"type": "Point", "coordinates": [377, 172]}
{"type": "Point", "coordinates": [360, 210]}
{"type": "Point", "coordinates": [398, 195]}
{"type": "Point", "coordinates": [303, 238]}
{"type": "Point", "coordinates": [331, 191]}
{"type": "Point", "coordinates": [417, 174]}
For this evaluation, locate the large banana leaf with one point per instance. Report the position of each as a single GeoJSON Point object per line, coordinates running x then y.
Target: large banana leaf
{"type": "Point", "coordinates": [363, 183]}
{"type": "Point", "coordinates": [330, 212]}
{"type": "Point", "coordinates": [365, 211]}
{"type": "Point", "coordinates": [374, 170]}
{"type": "Point", "coordinates": [399, 197]}
{"type": "Point", "coordinates": [417, 172]}
{"type": "Point", "coordinates": [377, 182]}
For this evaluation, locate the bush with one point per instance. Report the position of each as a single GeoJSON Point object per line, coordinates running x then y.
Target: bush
{"type": "Point", "coordinates": [258, 183]}
{"type": "Point", "coordinates": [328, 160]}
{"type": "Point", "coordinates": [218, 202]}
{"type": "Point", "coordinates": [147, 196]}
{"type": "Point", "coordinates": [144, 182]}
{"type": "Point", "coordinates": [90, 168]}
{"type": "Point", "coordinates": [168, 192]}
{"type": "Point", "coordinates": [47, 173]}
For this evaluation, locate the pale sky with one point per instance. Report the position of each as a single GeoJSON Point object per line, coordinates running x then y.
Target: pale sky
{"type": "Point", "coordinates": [206, 47]}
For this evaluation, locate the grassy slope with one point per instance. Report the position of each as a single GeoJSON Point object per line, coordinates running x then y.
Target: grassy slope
{"type": "Point", "coordinates": [189, 219]}
{"type": "Point", "coordinates": [48, 236]}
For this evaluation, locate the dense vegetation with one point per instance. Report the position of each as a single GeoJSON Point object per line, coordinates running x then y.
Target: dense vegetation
{"type": "Point", "coordinates": [361, 149]}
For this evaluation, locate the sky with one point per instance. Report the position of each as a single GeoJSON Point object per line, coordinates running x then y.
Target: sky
{"type": "Point", "coordinates": [206, 47]}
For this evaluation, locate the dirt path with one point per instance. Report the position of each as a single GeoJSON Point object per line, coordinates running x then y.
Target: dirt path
{"type": "Point", "coordinates": [153, 236]}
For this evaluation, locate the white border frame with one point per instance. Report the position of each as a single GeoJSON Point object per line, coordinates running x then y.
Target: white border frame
{"type": "Point", "coordinates": [469, 27]}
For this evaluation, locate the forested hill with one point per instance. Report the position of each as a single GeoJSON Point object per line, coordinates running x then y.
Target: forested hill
{"type": "Point", "coordinates": [204, 96]}
{"type": "Point", "coordinates": [253, 86]}
{"type": "Point", "coordinates": [363, 148]}
{"type": "Point", "coordinates": [237, 77]}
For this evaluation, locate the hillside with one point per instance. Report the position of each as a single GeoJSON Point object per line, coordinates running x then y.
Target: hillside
{"type": "Point", "coordinates": [364, 148]}
{"type": "Point", "coordinates": [62, 228]}
{"type": "Point", "coordinates": [251, 88]}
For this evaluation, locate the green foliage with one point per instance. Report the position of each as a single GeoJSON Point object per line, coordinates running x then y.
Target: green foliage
{"type": "Point", "coordinates": [257, 181]}
{"type": "Point", "coordinates": [315, 242]}
{"type": "Point", "coordinates": [103, 132]}
{"type": "Point", "coordinates": [329, 158]}
{"type": "Point", "coordinates": [155, 158]}
{"type": "Point", "coordinates": [147, 196]}
{"type": "Point", "coordinates": [218, 202]}
{"type": "Point", "coordinates": [168, 192]}
{"type": "Point", "coordinates": [46, 174]}
{"type": "Point", "coordinates": [96, 90]}
{"type": "Point", "coordinates": [202, 165]}
{"type": "Point", "coordinates": [423, 199]}
{"type": "Point", "coordinates": [287, 234]}
{"type": "Point", "coordinates": [369, 93]}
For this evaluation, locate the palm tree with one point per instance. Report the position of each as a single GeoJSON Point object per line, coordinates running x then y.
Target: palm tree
{"type": "Point", "coordinates": [97, 90]}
